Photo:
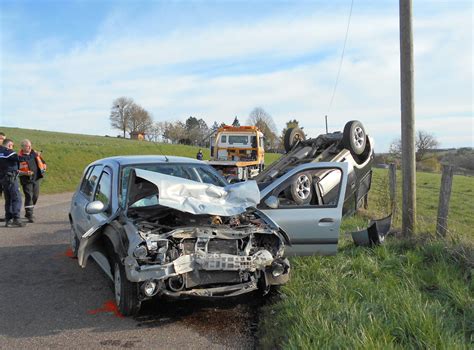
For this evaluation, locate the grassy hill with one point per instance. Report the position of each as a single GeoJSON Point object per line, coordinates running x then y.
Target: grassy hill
{"type": "Point", "coordinates": [68, 154]}
{"type": "Point", "coordinates": [415, 293]}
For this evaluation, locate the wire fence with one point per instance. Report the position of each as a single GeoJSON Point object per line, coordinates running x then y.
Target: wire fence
{"type": "Point", "coordinates": [460, 220]}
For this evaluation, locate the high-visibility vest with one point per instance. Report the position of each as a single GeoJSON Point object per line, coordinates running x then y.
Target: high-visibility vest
{"type": "Point", "coordinates": [41, 164]}
{"type": "Point", "coordinates": [24, 167]}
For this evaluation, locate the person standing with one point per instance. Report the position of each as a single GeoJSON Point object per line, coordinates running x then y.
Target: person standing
{"type": "Point", "coordinates": [2, 137]}
{"type": "Point", "coordinates": [32, 168]}
{"type": "Point", "coordinates": [9, 166]}
{"type": "Point", "coordinates": [199, 155]}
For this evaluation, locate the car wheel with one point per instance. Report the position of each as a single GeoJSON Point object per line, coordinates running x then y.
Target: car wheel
{"type": "Point", "coordinates": [74, 242]}
{"type": "Point", "coordinates": [126, 292]}
{"type": "Point", "coordinates": [292, 136]}
{"type": "Point", "coordinates": [300, 190]}
{"type": "Point", "coordinates": [354, 137]}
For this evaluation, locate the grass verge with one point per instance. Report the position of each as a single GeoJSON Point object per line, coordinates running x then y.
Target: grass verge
{"type": "Point", "coordinates": [407, 293]}
{"type": "Point", "coordinates": [404, 294]}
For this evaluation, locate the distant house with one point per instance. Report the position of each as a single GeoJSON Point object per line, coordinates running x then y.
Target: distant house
{"type": "Point", "coordinates": [135, 135]}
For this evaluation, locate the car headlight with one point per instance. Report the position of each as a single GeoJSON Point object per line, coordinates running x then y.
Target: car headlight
{"type": "Point", "coordinates": [150, 288]}
{"type": "Point", "coordinates": [140, 252]}
{"type": "Point", "coordinates": [278, 269]}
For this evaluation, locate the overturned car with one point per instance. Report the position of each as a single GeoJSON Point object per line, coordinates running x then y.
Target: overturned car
{"type": "Point", "coordinates": [352, 146]}
{"type": "Point", "coordinates": [172, 226]}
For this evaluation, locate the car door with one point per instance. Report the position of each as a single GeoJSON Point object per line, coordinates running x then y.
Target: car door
{"type": "Point", "coordinates": [82, 197]}
{"type": "Point", "coordinates": [312, 225]}
{"type": "Point", "coordinates": [102, 193]}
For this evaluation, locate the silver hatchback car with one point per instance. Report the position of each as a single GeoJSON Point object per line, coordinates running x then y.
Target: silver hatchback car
{"type": "Point", "coordinates": [174, 227]}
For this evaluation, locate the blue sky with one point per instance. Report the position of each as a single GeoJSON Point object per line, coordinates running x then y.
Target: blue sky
{"type": "Point", "coordinates": [63, 62]}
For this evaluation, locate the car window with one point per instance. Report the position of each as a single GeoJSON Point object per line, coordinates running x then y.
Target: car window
{"type": "Point", "coordinates": [85, 179]}
{"type": "Point", "coordinates": [223, 139]}
{"type": "Point", "coordinates": [310, 188]}
{"type": "Point", "coordinates": [145, 202]}
{"type": "Point", "coordinates": [207, 175]}
{"type": "Point", "coordinates": [103, 190]}
{"type": "Point", "coordinates": [242, 139]}
{"type": "Point", "coordinates": [90, 181]}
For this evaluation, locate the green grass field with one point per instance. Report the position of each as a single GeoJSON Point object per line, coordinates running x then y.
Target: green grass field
{"type": "Point", "coordinates": [415, 293]}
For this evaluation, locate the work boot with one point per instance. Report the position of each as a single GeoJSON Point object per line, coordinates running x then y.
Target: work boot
{"type": "Point", "coordinates": [16, 223]}
{"type": "Point", "coordinates": [8, 223]}
{"type": "Point", "coordinates": [30, 218]}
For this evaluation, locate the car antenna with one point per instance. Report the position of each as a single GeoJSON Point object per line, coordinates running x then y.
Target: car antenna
{"type": "Point", "coordinates": [161, 151]}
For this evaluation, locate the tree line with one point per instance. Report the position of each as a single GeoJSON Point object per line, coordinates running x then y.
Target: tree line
{"type": "Point", "coordinates": [129, 117]}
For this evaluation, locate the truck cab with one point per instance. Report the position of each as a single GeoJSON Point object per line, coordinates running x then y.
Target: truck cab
{"type": "Point", "coordinates": [238, 152]}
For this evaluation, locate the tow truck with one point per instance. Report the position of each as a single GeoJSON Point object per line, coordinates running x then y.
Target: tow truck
{"type": "Point", "coordinates": [238, 152]}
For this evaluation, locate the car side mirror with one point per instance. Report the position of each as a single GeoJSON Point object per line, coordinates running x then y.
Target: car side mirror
{"type": "Point", "coordinates": [95, 207]}
{"type": "Point", "coordinates": [272, 202]}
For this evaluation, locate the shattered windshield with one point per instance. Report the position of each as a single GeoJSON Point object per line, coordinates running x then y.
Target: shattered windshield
{"type": "Point", "coordinates": [195, 172]}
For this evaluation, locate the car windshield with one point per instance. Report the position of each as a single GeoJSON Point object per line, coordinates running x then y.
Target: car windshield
{"type": "Point", "coordinates": [195, 172]}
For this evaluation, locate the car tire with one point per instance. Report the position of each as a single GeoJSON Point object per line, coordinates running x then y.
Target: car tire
{"type": "Point", "coordinates": [125, 292]}
{"type": "Point", "coordinates": [354, 137]}
{"type": "Point", "coordinates": [292, 136]}
{"type": "Point", "coordinates": [74, 243]}
{"type": "Point", "coordinates": [301, 190]}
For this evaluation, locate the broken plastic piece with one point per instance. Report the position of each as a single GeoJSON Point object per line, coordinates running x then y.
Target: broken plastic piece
{"type": "Point", "coordinates": [374, 234]}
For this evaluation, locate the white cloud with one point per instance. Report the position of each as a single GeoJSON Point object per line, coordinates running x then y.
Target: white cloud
{"type": "Point", "coordinates": [170, 75]}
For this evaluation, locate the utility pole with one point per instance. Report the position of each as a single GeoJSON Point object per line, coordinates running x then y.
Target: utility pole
{"type": "Point", "coordinates": [408, 118]}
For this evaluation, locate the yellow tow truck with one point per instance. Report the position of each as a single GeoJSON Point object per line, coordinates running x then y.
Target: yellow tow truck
{"type": "Point", "coordinates": [238, 152]}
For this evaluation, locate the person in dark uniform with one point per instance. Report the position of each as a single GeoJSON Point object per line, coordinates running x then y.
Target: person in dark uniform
{"type": "Point", "coordinates": [9, 166]}
{"type": "Point", "coordinates": [32, 168]}
{"type": "Point", "coordinates": [199, 155]}
{"type": "Point", "coordinates": [2, 137]}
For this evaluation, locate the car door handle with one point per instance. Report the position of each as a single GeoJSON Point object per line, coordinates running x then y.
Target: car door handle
{"type": "Point", "coordinates": [326, 221]}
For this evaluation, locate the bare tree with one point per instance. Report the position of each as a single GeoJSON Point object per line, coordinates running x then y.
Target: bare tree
{"type": "Point", "coordinates": [120, 113]}
{"type": "Point", "coordinates": [424, 143]}
{"type": "Point", "coordinates": [140, 120]}
{"type": "Point", "coordinates": [175, 132]}
{"type": "Point", "coordinates": [155, 131]}
{"type": "Point", "coordinates": [264, 121]}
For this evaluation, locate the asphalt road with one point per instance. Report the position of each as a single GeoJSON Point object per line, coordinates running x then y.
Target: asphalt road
{"type": "Point", "coordinates": [48, 301]}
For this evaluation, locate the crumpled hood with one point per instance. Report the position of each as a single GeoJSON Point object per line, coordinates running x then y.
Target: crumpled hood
{"type": "Point", "coordinates": [201, 198]}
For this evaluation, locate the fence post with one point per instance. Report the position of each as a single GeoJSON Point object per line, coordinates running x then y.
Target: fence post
{"type": "Point", "coordinates": [392, 178]}
{"type": "Point", "coordinates": [444, 196]}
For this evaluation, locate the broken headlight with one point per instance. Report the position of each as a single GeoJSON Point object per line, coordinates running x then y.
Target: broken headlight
{"type": "Point", "coordinates": [140, 252]}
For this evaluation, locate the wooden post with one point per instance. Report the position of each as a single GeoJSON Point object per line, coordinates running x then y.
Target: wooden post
{"type": "Point", "coordinates": [408, 119]}
{"type": "Point", "coordinates": [392, 178]}
{"type": "Point", "coordinates": [444, 196]}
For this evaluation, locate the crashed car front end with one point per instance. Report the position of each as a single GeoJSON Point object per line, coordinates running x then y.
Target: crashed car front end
{"type": "Point", "coordinates": [192, 239]}
{"type": "Point", "coordinates": [214, 257]}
